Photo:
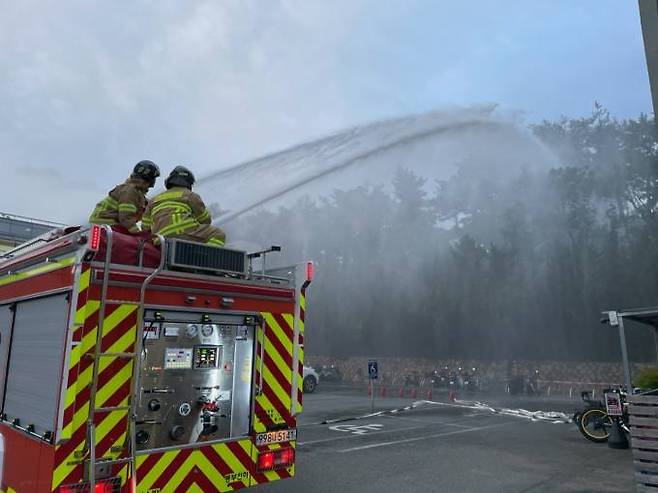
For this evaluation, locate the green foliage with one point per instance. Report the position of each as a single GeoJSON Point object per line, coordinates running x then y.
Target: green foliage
{"type": "Point", "coordinates": [647, 379]}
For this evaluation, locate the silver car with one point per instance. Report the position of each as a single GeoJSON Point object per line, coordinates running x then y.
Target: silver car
{"type": "Point", "coordinates": [311, 380]}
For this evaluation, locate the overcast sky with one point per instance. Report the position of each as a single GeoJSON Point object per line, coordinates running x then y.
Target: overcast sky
{"type": "Point", "coordinates": [87, 88]}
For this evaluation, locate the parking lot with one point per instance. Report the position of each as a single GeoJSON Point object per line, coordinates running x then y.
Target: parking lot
{"type": "Point", "coordinates": [445, 447]}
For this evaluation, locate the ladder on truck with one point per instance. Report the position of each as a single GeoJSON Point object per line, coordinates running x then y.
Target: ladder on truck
{"type": "Point", "coordinates": [93, 462]}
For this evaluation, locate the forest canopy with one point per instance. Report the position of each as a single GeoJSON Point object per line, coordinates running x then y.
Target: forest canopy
{"type": "Point", "coordinates": [474, 267]}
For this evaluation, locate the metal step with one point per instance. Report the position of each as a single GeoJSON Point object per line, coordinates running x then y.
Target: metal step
{"type": "Point", "coordinates": [112, 355]}
{"type": "Point", "coordinates": [111, 409]}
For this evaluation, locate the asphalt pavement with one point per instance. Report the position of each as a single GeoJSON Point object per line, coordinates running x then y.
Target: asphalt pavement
{"type": "Point", "coordinates": [442, 446]}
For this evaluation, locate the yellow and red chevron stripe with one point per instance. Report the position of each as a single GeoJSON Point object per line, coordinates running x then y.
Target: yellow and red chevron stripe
{"type": "Point", "coordinates": [114, 385]}
{"type": "Point", "coordinates": [275, 342]}
{"type": "Point", "coordinates": [300, 366]}
{"type": "Point", "coordinates": [217, 467]}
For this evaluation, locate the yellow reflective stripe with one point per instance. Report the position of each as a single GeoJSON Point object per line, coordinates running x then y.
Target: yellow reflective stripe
{"type": "Point", "coordinates": [204, 215]}
{"type": "Point", "coordinates": [168, 196]}
{"type": "Point", "coordinates": [110, 201]}
{"type": "Point", "coordinates": [127, 207]}
{"type": "Point", "coordinates": [287, 343]}
{"type": "Point", "coordinates": [215, 242]}
{"type": "Point", "coordinates": [178, 227]}
{"type": "Point", "coordinates": [302, 301]}
{"type": "Point", "coordinates": [58, 264]}
{"type": "Point", "coordinates": [155, 472]}
{"type": "Point", "coordinates": [170, 204]}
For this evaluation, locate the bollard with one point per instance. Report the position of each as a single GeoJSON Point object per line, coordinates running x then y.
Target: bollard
{"type": "Point", "coordinates": [369, 389]}
{"type": "Point", "coordinates": [401, 392]}
{"type": "Point", "coordinates": [429, 394]}
{"type": "Point", "coordinates": [617, 438]}
{"type": "Point", "coordinates": [413, 393]}
{"type": "Point", "coordinates": [549, 391]}
{"type": "Point", "coordinates": [382, 392]}
{"type": "Point", "coordinates": [570, 392]}
{"type": "Point", "coordinates": [451, 395]}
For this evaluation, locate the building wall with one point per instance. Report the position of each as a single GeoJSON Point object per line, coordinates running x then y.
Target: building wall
{"type": "Point", "coordinates": [15, 230]}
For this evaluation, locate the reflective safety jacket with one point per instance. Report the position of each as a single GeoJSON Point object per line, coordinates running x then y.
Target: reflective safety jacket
{"type": "Point", "coordinates": [124, 205]}
{"type": "Point", "coordinates": [180, 213]}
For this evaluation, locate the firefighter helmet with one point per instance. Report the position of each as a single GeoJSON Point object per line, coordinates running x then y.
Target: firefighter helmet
{"type": "Point", "coordinates": [180, 176]}
{"type": "Point", "coordinates": [147, 171]}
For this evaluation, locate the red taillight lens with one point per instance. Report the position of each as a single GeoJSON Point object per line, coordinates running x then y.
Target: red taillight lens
{"type": "Point", "coordinates": [276, 459]}
{"type": "Point", "coordinates": [309, 271]}
{"type": "Point", "coordinates": [284, 457]}
{"type": "Point", "coordinates": [95, 237]}
{"type": "Point", "coordinates": [266, 461]}
{"type": "Point", "coordinates": [102, 486]}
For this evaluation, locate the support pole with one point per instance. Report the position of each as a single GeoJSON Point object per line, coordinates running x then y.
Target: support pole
{"type": "Point", "coordinates": [624, 356]}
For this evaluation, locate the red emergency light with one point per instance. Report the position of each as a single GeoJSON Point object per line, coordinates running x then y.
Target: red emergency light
{"type": "Point", "coordinates": [309, 271]}
{"type": "Point", "coordinates": [102, 486]}
{"type": "Point", "coordinates": [95, 237]}
{"type": "Point", "coordinates": [276, 459]}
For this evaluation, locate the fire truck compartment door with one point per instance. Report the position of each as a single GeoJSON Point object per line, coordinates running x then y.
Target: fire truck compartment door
{"type": "Point", "coordinates": [6, 322]}
{"type": "Point", "coordinates": [35, 361]}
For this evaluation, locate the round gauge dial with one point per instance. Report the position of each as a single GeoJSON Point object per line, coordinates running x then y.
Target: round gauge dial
{"type": "Point", "coordinates": [206, 330]}
{"type": "Point", "coordinates": [184, 409]}
{"type": "Point", "coordinates": [192, 330]}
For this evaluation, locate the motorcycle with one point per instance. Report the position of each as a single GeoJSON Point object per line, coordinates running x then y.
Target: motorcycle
{"type": "Point", "coordinates": [330, 373]}
{"type": "Point", "coordinates": [593, 420]}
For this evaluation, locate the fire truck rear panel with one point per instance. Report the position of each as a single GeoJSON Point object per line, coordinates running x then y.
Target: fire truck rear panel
{"type": "Point", "coordinates": [213, 346]}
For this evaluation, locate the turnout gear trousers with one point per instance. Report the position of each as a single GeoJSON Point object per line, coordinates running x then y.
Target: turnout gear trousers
{"type": "Point", "coordinates": [180, 213]}
{"type": "Point", "coordinates": [123, 206]}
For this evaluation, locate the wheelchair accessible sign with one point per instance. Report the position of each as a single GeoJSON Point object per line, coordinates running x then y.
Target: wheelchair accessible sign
{"type": "Point", "coordinates": [373, 372]}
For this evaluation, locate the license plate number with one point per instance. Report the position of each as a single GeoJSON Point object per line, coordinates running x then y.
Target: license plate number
{"type": "Point", "coordinates": [276, 436]}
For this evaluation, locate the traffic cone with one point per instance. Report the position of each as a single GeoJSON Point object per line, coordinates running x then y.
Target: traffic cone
{"type": "Point", "coordinates": [401, 392]}
{"type": "Point", "coordinates": [429, 395]}
{"type": "Point", "coordinates": [382, 392]}
{"type": "Point", "coordinates": [617, 438]}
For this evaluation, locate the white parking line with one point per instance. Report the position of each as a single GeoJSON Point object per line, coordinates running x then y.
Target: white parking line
{"type": "Point", "coordinates": [346, 437]}
{"type": "Point", "coordinates": [454, 424]}
{"type": "Point", "coordinates": [416, 439]}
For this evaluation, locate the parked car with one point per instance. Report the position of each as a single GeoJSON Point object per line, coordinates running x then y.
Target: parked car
{"type": "Point", "coordinates": [311, 379]}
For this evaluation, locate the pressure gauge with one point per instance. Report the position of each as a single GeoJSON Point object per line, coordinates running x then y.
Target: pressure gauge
{"type": "Point", "coordinates": [184, 409]}
{"type": "Point", "coordinates": [192, 330]}
{"type": "Point", "coordinates": [206, 330]}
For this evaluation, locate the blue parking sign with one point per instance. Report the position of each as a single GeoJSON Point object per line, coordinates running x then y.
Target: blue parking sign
{"type": "Point", "coordinates": [372, 369]}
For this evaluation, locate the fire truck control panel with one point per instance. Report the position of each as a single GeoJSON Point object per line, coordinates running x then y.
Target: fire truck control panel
{"type": "Point", "coordinates": [195, 378]}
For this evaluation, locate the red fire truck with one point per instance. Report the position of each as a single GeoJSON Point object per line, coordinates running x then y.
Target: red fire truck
{"type": "Point", "coordinates": [135, 368]}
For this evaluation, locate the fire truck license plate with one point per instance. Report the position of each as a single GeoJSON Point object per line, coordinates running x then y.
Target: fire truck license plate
{"type": "Point", "coordinates": [276, 436]}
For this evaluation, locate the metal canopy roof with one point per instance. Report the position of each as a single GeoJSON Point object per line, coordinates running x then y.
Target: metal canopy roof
{"type": "Point", "coordinates": [647, 316]}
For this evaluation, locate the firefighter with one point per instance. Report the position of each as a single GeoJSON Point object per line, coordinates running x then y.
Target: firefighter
{"type": "Point", "coordinates": [124, 205]}
{"type": "Point", "coordinates": [180, 213]}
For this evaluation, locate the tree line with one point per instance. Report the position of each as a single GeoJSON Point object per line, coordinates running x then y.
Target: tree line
{"type": "Point", "coordinates": [474, 267]}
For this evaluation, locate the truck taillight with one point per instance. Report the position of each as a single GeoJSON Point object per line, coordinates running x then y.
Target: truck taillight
{"type": "Point", "coordinates": [309, 271]}
{"type": "Point", "coordinates": [95, 237]}
{"type": "Point", "coordinates": [112, 485]}
{"type": "Point", "coordinates": [276, 459]}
